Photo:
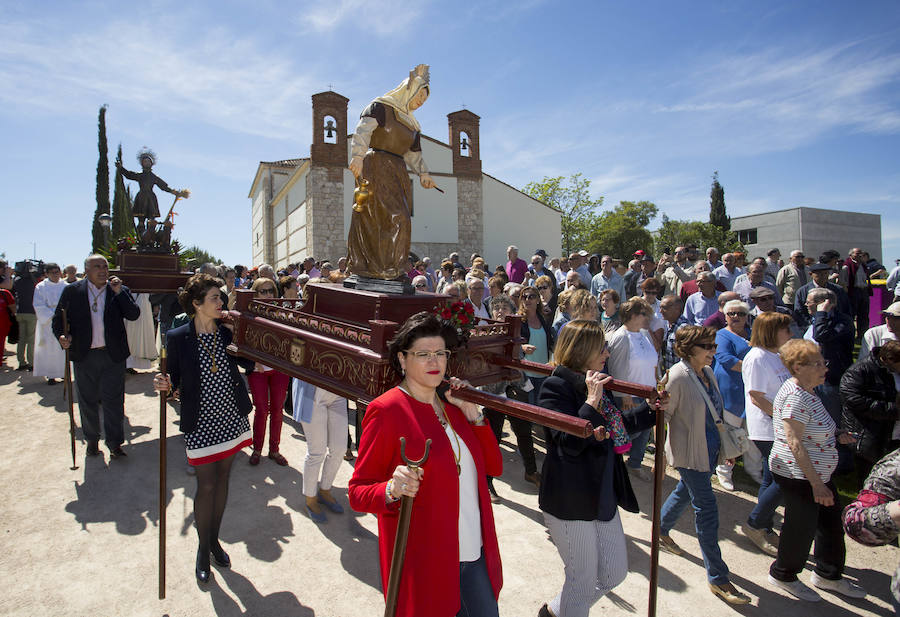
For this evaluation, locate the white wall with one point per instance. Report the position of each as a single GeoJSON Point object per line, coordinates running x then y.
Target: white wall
{"type": "Point", "coordinates": [513, 218]}
{"type": "Point", "coordinates": [258, 230]}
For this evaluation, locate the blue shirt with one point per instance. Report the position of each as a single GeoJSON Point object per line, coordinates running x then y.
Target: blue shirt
{"type": "Point", "coordinates": [732, 349]}
{"type": "Point", "coordinates": [615, 281]}
{"type": "Point", "coordinates": [698, 307]}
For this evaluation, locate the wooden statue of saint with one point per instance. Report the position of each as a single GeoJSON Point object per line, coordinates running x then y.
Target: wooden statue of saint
{"type": "Point", "coordinates": [146, 207]}
{"type": "Point", "coordinates": [386, 140]}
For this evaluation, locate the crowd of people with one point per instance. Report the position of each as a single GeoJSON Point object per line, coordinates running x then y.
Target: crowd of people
{"type": "Point", "coordinates": [757, 356]}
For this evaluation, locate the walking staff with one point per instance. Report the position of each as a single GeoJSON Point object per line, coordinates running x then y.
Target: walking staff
{"type": "Point", "coordinates": [68, 393]}
{"type": "Point", "coordinates": [162, 480]}
{"type": "Point", "coordinates": [659, 474]}
{"type": "Point", "coordinates": [390, 608]}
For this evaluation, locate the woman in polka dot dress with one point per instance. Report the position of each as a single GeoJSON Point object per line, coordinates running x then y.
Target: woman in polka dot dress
{"type": "Point", "coordinates": [802, 460]}
{"type": "Point", "coordinates": [214, 408]}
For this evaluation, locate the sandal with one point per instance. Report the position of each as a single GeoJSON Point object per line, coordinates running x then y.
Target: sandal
{"type": "Point", "coordinates": [254, 458]}
{"type": "Point", "coordinates": [278, 458]}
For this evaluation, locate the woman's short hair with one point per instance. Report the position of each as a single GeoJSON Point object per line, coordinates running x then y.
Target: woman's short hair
{"type": "Point", "coordinates": [195, 290]}
{"type": "Point", "coordinates": [447, 265]}
{"type": "Point", "coordinates": [420, 325]}
{"type": "Point", "coordinates": [503, 300]}
{"type": "Point", "coordinates": [798, 351]}
{"type": "Point", "coordinates": [890, 352]}
{"type": "Point", "coordinates": [285, 282]}
{"type": "Point", "coordinates": [652, 285]}
{"type": "Point", "coordinates": [262, 282]}
{"type": "Point", "coordinates": [736, 305]}
{"type": "Point", "coordinates": [461, 287]}
{"type": "Point", "coordinates": [689, 337]}
{"type": "Point", "coordinates": [766, 327]}
{"type": "Point", "coordinates": [578, 342]}
{"type": "Point", "coordinates": [580, 302]}
{"type": "Point", "coordinates": [634, 307]}
{"type": "Point", "coordinates": [510, 288]}
{"type": "Point", "coordinates": [612, 293]}
{"type": "Point", "coordinates": [497, 282]}
{"type": "Point", "coordinates": [545, 280]}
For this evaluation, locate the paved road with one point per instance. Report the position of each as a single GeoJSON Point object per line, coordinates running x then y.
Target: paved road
{"type": "Point", "coordinates": [84, 542]}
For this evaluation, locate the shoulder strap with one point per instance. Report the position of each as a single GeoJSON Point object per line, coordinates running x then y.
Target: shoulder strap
{"type": "Point", "coordinates": [709, 404]}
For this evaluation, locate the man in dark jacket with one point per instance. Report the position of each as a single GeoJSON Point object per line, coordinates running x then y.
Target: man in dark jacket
{"type": "Point", "coordinates": [869, 397]}
{"type": "Point", "coordinates": [819, 273]}
{"type": "Point", "coordinates": [833, 331]}
{"type": "Point", "coordinates": [95, 307]}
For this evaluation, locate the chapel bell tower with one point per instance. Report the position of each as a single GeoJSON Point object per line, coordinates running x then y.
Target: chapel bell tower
{"type": "Point", "coordinates": [329, 129]}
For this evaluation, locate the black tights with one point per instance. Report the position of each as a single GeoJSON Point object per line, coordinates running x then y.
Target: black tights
{"type": "Point", "coordinates": [209, 506]}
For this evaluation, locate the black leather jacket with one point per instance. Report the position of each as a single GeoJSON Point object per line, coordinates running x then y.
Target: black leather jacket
{"type": "Point", "coordinates": [869, 400]}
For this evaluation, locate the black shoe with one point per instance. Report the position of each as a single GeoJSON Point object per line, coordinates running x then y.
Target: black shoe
{"type": "Point", "coordinates": [545, 612]}
{"type": "Point", "coordinates": [117, 452]}
{"type": "Point", "coordinates": [93, 448]}
{"type": "Point", "coordinates": [221, 559]}
{"type": "Point", "coordinates": [131, 371]}
{"type": "Point", "coordinates": [201, 572]}
{"type": "Point", "coordinates": [52, 382]}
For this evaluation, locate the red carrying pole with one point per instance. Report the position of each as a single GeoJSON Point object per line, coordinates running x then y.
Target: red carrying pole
{"type": "Point", "coordinates": [162, 480]}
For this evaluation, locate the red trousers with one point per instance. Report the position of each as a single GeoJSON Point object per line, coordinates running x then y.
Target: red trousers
{"type": "Point", "coordinates": [269, 389]}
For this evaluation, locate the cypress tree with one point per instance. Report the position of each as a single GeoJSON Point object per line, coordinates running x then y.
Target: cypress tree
{"type": "Point", "coordinates": [717, 214]}
{"type": "Point", "coordinates": [97, 235]}
{"type": "Point", "coordinates": [122, 218]}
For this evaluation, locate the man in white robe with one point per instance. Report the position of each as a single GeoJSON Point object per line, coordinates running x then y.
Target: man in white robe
{"type": "Point", "coordinates": [141, 336]}
{"type": "Point", "coordinates": [49, 357]}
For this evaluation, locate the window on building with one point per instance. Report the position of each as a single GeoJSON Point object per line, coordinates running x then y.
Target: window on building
{"type": "Point", "coordinates": [465, 148]}
{"type": "Point", "coordinates": [330, 129]}
{"type": "Point", "coordinates": [747, 236]}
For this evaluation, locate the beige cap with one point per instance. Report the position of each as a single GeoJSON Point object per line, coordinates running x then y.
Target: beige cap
{"type": "Point", "coordinates": [893, 310]}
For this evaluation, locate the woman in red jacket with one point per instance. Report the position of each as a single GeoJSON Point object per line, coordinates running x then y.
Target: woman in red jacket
{"type": "Point", "coordinates": [452, 564]}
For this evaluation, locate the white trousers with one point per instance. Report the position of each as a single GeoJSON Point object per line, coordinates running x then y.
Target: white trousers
{"type": "Point", "coordinates": [595, 561]}
{"type": "Point", "coordinates": [326, 441]}
{"type": "Point", "coordinates": [752, 459]}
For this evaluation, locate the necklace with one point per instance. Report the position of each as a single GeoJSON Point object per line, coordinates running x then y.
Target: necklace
{"type": "Point", "coordinates": [212, 356]}
{"type": "Point", "coordinates": [95, 298]}
{"type": "Point", "coordinates": [445, 422]}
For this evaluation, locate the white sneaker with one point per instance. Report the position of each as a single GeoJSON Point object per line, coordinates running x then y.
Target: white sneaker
{"type": "Point", "coordinates": [841, 586]}
{"type": "Point", "coordinates": [796, 589]}
{"type": "Point", "coordinates": [725, 482]}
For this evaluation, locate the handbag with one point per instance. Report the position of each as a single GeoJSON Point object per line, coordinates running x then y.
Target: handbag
{"type": "Point", "coordinates": [733, 440]}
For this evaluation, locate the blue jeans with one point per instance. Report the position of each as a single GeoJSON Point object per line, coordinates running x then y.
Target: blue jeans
{"type": "Point", "coordinates": [639, 442]}
{"type": "Point", "coordinates": [695, 488]}
{"type": "Point", "coordinates": [476, 596]}
{"type": "Point", "coordinates": [769, 497]}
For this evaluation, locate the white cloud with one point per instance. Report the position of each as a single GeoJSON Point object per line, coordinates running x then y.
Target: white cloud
{"type": "Point", "coordinates": [159, 70]}
{"type": "Point", "coordinates": [382, 18]}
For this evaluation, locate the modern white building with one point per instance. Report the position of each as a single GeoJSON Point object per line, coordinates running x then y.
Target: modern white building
{"type": "Point", "coordinates": [811, 230]}
{"type": "Point", "coordinates": [302, 207]}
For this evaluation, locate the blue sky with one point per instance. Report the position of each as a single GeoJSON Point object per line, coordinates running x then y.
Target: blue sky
{"type": "Point", "coordinates": [793, 103]}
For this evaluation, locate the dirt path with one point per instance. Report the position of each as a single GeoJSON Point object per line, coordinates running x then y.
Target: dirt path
{"type": "Point", "coordinates": [84, 542]}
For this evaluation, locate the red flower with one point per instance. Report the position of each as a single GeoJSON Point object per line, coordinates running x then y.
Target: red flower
{"type": "Point", "coordinates": [445, 314]}
{"type": "Point", "coordinates": [470, 309]}
{"type": "Point", "coordinates": [464, 319]}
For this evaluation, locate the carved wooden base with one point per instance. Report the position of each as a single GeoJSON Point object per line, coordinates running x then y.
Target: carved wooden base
{"type": "Point", "coordinates": [363, 283]}
{"type": "Point", "coordinates": [150, 272]}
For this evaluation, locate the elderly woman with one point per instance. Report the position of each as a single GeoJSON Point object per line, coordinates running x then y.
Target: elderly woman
{"type": "Point", "coordinates": [514, 291]}
{"type": "Point", "coordinates": [458, 290]}
{"type": "Point", "coordinates": [763, 374]}
{"type": "Point", "coordinates": [538, 347]}
{"type": "Point", "coordinates": [651, 290]}
{"type": "Point", "coordinates": [547, 289]}
{"type": "Point", "coordinates": [501, 307]}
{"type": "Point", "coordinates": [290, 288]}
{"type": "Point", "coordinates": [692, 447]}
{"type": "Point", "coordinates": [633, 357]}
{"type": "Point", "coordinates": [803, 458]}
{"type": "Point", "coordinates": [579, 493]}
{"type": "Point", "coordinates": [446, 276]}
{"type": "Point", "coordinates": [214, 409]}
{"type": "Point", "coordinates": [732, 347]}
{"type": "Point", "coordinates": [269, 389]}
{"type": "Point", "coordinates": [452, 559]}
{"type": "Point", "coordinates": [609, 314]}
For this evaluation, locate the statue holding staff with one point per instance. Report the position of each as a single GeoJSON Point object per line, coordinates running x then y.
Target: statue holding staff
{"type": "Point", "coordinates": [386, 140]}
{"type": "Point", "coordinates": [145, 204]}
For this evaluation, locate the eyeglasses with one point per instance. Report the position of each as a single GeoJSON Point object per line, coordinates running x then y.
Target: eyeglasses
{"type": "Point", "coordinates": [707, 346]}
{"type": "Point", "coordinates": [542, 288]}
{"type": "Point", "coordinates": [736, 314]}
{"type": "Point", "coordinates": [266, 291]}
{"type": "Point", "coordinates": [817, 364]}
{"type": "Point", "coordinates": [424, 356]}
{"type": "Point", "coordinates": [529, 297]}
{"type": "Point", "coordinates": [420, 285]}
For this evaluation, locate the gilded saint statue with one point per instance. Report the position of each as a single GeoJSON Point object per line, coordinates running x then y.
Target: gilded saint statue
{"type": "Point", "coordinates": [386, 141]}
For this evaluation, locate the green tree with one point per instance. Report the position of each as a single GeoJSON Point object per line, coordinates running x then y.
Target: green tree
{"type": "Point", "coordinates": [122, 218]}
{"type": "Point", "coordinates": [573, 199]}
{"type": "Point", "coordinates": [674, 233]}
{"type": "Point", "coordinates": [717, 214]}
{"type": "Point", "coordinates": [623, 230]}
{"type": "Point", "coordinates": [97, 234]}
{"type": "Point", "coordinates": [194, 257]}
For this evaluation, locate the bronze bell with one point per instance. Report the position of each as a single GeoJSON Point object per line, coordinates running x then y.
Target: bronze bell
{"type": "Point", "coordinates": [361, 195]}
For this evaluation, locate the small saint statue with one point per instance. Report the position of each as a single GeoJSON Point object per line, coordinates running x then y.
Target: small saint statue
{"type": "Point", "coordinates": [146, 207]}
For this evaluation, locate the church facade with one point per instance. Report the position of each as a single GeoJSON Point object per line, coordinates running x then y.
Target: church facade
{"type": "Point", "coordinates": [301, 207]}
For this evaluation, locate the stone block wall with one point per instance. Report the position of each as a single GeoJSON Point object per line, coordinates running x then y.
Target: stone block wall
{"type": "Point", "coordinates": [470, 214]}
{"type": "Point", "coordinates": [324, 212]}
